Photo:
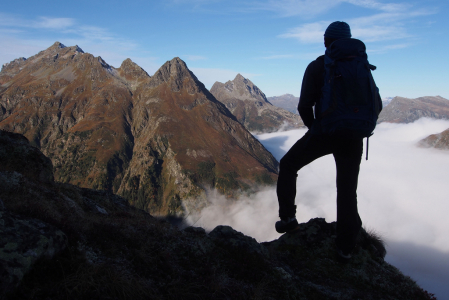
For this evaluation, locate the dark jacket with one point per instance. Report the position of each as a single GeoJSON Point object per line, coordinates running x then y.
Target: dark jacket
{"type": "Point", "coordinates": [312, 83]}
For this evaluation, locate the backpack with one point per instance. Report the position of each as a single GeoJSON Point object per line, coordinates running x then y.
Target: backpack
{"type": "Point", "coordinates": [350, 101]}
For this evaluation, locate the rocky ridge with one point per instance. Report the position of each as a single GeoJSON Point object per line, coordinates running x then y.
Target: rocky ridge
{"type": "Point", "coordinates": [59, 241]}
{"type": "Point", "coordinates": [251, 108]}
{"type": "Point", "coordinates": [159, 141]}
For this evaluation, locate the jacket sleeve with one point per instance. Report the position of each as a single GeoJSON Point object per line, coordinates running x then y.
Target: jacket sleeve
{"type": "Point", "coordinates": [312, 83]}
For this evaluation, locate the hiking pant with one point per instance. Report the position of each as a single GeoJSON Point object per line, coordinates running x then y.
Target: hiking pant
{"type": "Point", "coordinates": [348, 155]}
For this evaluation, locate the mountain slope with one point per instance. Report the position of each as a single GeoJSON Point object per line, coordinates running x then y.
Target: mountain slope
{"type": "Point", "coordinates": [74, 107]}
{"type": "Point", "coordinates": [251, 108]}
{"type": "Point", "coordinates": [158, 141]}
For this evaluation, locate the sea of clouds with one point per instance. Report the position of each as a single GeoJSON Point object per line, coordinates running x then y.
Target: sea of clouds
{"type": "Point", "coordinates": [403, 195]}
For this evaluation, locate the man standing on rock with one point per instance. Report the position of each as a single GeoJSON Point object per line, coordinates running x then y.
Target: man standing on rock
{"type": "Point", "coordinates": [320, 81]}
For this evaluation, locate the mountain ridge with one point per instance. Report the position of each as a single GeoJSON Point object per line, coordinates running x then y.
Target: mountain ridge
{"type": "Point", "coordinates": [160, 141]}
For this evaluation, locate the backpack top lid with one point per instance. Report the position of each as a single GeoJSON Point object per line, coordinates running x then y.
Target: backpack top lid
{"type": "Point", "coordinates": [345, 48]}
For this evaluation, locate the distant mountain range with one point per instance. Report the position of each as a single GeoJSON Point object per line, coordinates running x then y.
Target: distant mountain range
{"type": "Point", "coordinates": [398, 110]}
{"type": "Point", "coordinates": [405, 110]}
{"type": "Point", "coordinates": [159, 141]}
{"type": "Point", "coordinates": [286, 101]}
{"type": "Point", "coordinates": [251, 108]}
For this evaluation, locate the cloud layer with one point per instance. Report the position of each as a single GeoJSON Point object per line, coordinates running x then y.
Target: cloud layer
{"type": "Point", "coordinates": [402, 196]}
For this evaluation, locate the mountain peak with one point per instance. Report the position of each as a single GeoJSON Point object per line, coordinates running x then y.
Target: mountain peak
{"type": "Point", "coordinates": [58, 45]}
{"type": "Point", "coordinates": [241, 88]}
{"type": "Point", "coordinates": [239, 77]}
{"type": "Point", "coordinates": [176, 73]}
{"type": "Point", "coordinates": [59, 48]}
{"type": "Point", "coordinates": [245, 81]}
{"type": "Point", "coordinates": [251, 107]}
{"type": "Point", "coordinates": [132, 72]}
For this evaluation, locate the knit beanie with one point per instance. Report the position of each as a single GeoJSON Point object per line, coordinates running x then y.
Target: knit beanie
{"type": "Point", "coordinates": [338, 30]}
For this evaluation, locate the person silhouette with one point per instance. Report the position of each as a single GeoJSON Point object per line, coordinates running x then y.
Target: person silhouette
{"type": "Point", "coordinates": [347, 152]}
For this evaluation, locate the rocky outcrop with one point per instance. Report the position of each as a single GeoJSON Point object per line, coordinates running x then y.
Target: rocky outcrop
{"type": "Point", "coordinates": [60, 241]}
{"type": "Point", "coordinates": [251, 108]}
{"type": "Point", "coordinates": [438, 141]}
{"type": "Point", "coordinates": [286, 101]}
{"type": "Point", "coordinates": [160, 141]}
{"type": "Point", "coordinates": [404, 110]}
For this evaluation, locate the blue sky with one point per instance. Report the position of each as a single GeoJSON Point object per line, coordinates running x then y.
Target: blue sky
{"type": "Point", "coordinates": [269, 41]}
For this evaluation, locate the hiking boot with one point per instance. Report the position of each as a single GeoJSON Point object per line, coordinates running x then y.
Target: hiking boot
{"type": "Point", "coordinates": [286, 225]}
{"type": "Point", "coordinates": [343, 257]}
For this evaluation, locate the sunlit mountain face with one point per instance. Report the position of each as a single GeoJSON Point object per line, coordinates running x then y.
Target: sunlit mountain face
{"type": "Point", "coordinates": [159, 141]}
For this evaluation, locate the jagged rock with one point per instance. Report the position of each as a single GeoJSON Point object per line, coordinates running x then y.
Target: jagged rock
{"type": "Point", "coordinates": [250, 106]}
{"type": "Point", "coordinates": [404, 110]}
{"type": "Point", "coordinates": [22, 242]}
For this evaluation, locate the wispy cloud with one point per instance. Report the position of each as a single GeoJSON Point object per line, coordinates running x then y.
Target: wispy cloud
{"type": "Point", "coordinates": [312, 8]}
{"type": "Point", "coordinates": [15, 21]}
{"type": "Point", "coordinates": [387, 7]}
{"type": "Point", "coordinates": [388, 24]}
{"type": "Point", "coordinates": [307, 33]}
{"type": "Point", "coordinates": [384, 49]}
{"type": "Point", "coordinates": [54, 23]}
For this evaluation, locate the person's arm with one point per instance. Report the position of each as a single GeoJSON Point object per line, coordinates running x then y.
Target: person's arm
{"type": "Point", "coordinates": [310, 91]}
{"type": "Point", "coordinates": [306, 114]}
